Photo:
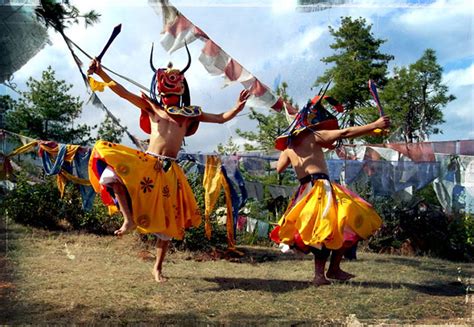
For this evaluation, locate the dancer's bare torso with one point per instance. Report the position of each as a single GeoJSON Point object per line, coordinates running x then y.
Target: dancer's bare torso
{"type": "Point", "coordinates": [305, 152]}
{"type": "Point", "coordinates": [167, 131]}
{"type": "Point", "coordinates": [305, 155]}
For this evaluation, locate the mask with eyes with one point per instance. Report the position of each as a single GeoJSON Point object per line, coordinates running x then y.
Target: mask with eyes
{"type": "Point", "coordinates": [170, 91]}
{"type": "Point", "coordinates": [168, 86]}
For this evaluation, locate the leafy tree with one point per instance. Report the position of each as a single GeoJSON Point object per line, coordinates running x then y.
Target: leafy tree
{"type": "Point", "coordinates": [46, 111]}
{"type": "Point", "coordinates": [269, 126]}
{"type": "Point", "coordinates": [6, 103]}
{"type": "Point", "coordinates": [229, 148]}
{"type": "Point", "coordinates": [415, 97]}
{"type": "Point", "coordinates": [109, 131]}
{"type": "Point", "coordinates": [60, 14]}
{"type": "Point", "coordinates": [357, 59]}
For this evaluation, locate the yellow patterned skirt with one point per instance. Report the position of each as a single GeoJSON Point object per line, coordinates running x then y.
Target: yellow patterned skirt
{"type": "Point", "coordinates": [325, 214]}
{"type": "Point", "coordinates": [161, 201]}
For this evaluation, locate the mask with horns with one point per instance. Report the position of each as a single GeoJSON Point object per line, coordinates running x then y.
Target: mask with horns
{"type": "Point", "coordinates": [168, 86]}
{"type": "Point", "coordinates": [170, 90]}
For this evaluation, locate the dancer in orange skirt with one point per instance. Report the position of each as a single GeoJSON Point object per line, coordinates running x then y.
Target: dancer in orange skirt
{"type": "Point", "coordinates": [149, 187]}
{"type": "Point", "coordinates": [322, 216]}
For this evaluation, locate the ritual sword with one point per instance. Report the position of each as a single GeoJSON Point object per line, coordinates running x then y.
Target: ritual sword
{"type": "Point", "coordinates": [115, 32]}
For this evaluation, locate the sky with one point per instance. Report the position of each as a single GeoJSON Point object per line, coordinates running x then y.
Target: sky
{"type": "Point", "coordinates": [271, 39]}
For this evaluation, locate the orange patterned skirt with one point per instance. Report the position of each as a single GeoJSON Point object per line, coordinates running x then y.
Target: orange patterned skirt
{"type": "Point", "coordinates": [161, 201]}
{"type": "Point", "coordinates": [325, 214]}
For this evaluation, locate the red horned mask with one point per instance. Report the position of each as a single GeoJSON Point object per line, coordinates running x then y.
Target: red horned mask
{"type": "Point", "coordinates": [168, 85]}
{"type": "Point", "coordinates": [169, 81]}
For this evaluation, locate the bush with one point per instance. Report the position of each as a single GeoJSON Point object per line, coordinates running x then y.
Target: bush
{"type": "Point", "coordinates": [40, 205]}
{"type": "Point", "coordinates": [195, 239]}
{"type": "Point", "coordinates": [461, 237]}
{"type": "Point", "coordinates": [422, 223]}
{"type": "Point", "coordinates": [98, 220]}
{"type": "Point", "coordinates": [253, 239]}
{"type": "Point", "coordinates": [35, 205]}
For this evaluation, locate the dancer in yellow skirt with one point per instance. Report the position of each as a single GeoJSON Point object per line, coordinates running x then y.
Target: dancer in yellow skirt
{"type": "Point", "coordinates": [149, 187]}
{"type": "Point", "coordinates": [322, 216]}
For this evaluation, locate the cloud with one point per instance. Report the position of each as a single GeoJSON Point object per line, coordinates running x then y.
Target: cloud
{"type": "Point", "coordinates": [302, 46]}
{"type": "Point", "coordinates": [460, 77]}
{"type": "Point", "coordinates": [446, 26]}
{"type": "Point", "coordinates": [438, 13]}
{"type": "Point", "coordinates": [283, 6]}
{"type": "Point", "coordinates": [458, 113]}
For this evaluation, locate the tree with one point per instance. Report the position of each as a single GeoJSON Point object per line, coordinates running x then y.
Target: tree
{"type": "Point", "coordinates": [60, 14]}
{"type": "Point", "coordinates": [415, 97]}
{"type": "Point", "coordinates": [229, 148]}
{"type": "Point", "coordinates": [357, 59]}
{"type": "Point", "coordinates": [109, 131]}
{"type": "Point", "coordinates": [269, 126]}
{"type": "Point", "coordinates": [47, 112]}
{"type": "Point", "coordinates": [6, 103]}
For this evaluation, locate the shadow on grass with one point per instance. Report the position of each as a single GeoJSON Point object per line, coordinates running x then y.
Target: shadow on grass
{"type": "Point", "coordinates": [259, 255]}
{"type": "Point", "coordinates": [438, 289]}
{"type": "Point", "coordinates": [249, 255]}
{"type": "Point", "coordinates": [284, 286]}
{"type": "Point", "coordinates": [426, 265]}
{"type": "Point", "coordinates": [45, 313]}
{"type": "Point", "coordinates": [256, 284]}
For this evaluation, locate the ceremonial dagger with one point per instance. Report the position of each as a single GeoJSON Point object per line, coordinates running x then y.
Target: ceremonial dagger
{"type": "Point", "coordinates": [115, 32]}
{"type": "Point", "coordinates": [375, 95]}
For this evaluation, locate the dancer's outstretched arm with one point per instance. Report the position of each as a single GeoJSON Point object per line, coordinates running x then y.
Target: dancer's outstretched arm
{"type": "Point", "coordinates": [226, 116]}
{"type": "Point", "coordinates": [96, 67]}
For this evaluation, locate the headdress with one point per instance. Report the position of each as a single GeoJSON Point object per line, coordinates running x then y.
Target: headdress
{"type": "Point", "coordinates": [314, 116]}
{"type": "Point", "coordinates": [170, 90]}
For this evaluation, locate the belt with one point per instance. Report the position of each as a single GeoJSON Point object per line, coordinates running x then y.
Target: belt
{"type": "Point", "coordinates": [165, 161]}
{"type": "Point", "coordinates": [160, 156]}
{"type": "Point", "coordinates": [312, 177]}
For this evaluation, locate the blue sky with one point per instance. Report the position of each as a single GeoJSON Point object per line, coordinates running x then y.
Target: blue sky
{"type": "Point", "coordinates": [273, 41]}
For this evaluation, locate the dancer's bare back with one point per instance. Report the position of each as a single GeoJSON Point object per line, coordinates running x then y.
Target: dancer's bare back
{"type": "Point", "coordinates": [305, 152]}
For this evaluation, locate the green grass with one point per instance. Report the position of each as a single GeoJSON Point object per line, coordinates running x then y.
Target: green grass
{"type": "Point", "coordinates": [63, 278]}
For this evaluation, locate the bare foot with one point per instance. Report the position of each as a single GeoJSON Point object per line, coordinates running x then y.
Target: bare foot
{"type": "Point", "coordinates": [126, 228]}
{"type": "Point", "coordinates": [320, 281]}
{"type": "Point", "coordinates": [159, 276]}
{"type": "Point", "coordinates": [339, 275]}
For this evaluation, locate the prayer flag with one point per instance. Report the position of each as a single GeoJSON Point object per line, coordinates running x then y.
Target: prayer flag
{"type": "Point", "coordinates": [178, 30]}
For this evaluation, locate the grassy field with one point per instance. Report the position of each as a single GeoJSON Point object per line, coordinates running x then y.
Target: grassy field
{"type": "Point", "coordinates": [63, 278]}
